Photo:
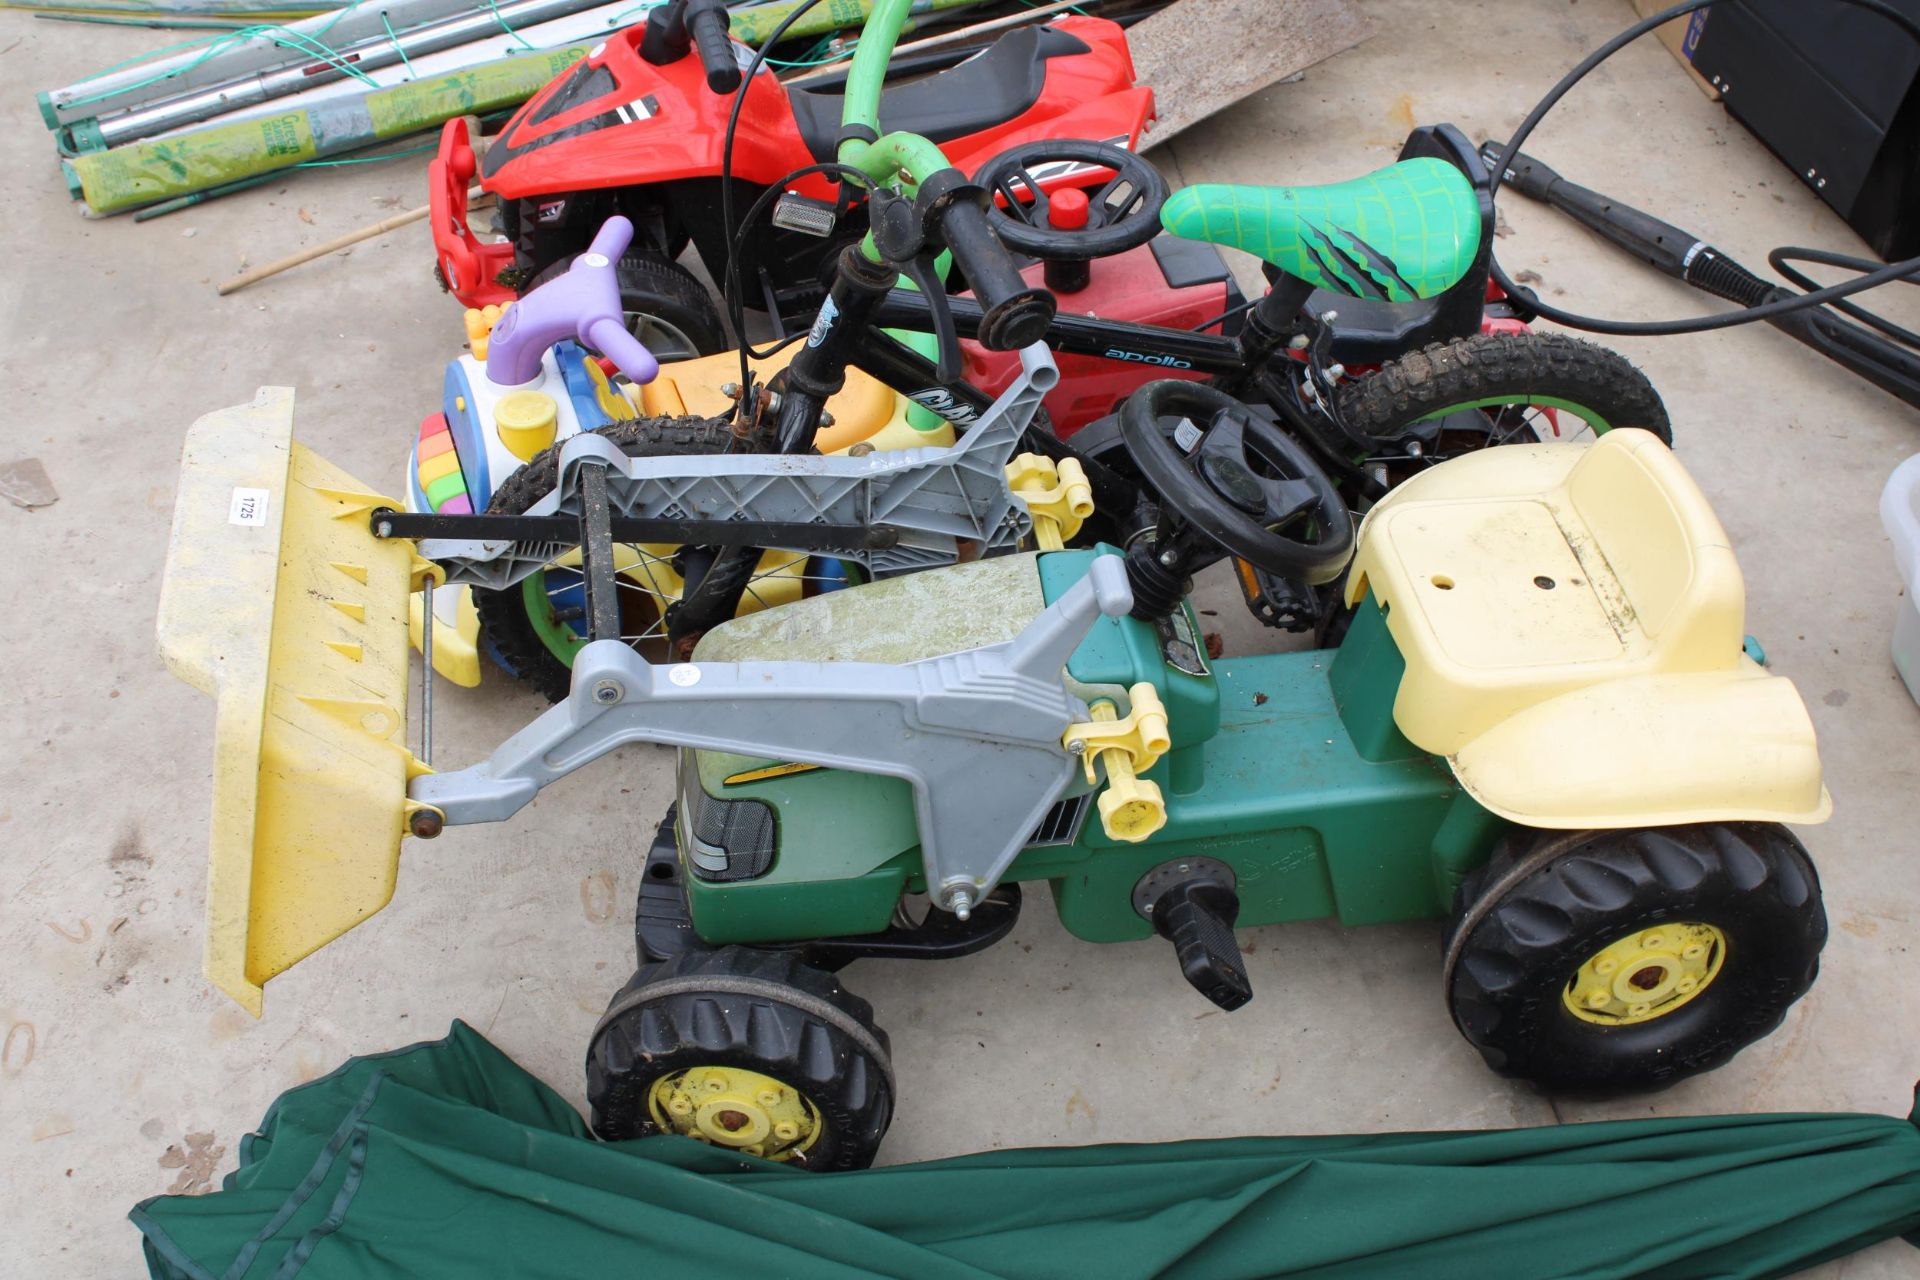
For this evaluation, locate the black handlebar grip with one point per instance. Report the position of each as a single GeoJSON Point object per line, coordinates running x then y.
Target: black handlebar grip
{"type": "Point", "coordinates": [1660, 245]}
{"type": "Point", "coordinates": [708, 21]}
{"type": "Point", "coordinates": [1014, 314]}
{"type": "Point", "coordinates": [1526, 175]}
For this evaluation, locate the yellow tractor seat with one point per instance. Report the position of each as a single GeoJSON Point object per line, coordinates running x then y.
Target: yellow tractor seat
{"type": "Point", "coordinates": [1518, 581]}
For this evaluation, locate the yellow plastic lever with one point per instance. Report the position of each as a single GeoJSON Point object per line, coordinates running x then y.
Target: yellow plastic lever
{"type": "Point", "coordinates": [1131, 808]}
{"type": "Point", "coordinates": [1058, 496]}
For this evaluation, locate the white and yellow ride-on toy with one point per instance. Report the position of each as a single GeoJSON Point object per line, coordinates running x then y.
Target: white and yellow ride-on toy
{"type": "Point", "coordinates": [534, 381]}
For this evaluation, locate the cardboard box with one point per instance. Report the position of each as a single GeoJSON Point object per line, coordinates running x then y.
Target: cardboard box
{"type": "Point", "coordinates": [1680, 36]}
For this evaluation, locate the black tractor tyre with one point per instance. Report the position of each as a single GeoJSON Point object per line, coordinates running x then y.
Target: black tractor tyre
{"type": "Point", "coordinates": [1546, 902]}
{"type": "Point", "coordinates": [1410, 388]}
{"type": "Point", "coordinates": [504, 618]}
{"type": "Point", "coordinates": [667, 307]}
{"type": "Point", "coordinates": [763, 1011]}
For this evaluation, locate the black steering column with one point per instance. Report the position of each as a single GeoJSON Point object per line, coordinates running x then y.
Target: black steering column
{"type": "Point", "coordinates": [1230, 483]}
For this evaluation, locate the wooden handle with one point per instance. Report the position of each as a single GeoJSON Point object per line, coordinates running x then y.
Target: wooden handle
{"type": "Point", "coordinates": [255, 274]}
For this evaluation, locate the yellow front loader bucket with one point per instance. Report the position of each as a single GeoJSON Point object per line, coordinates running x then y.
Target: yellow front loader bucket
{"type": "Point", "coordinates": [280, 603]}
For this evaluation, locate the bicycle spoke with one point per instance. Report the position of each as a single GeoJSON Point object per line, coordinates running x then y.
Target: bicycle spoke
{"type": "Point", "coordinates": [757, 597]}
{"type": "Point", "coordinates": [1520, 423]}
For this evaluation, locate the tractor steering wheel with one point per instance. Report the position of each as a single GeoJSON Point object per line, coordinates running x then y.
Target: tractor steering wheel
{"type": "Point", "coordinates": [1123, 214]}
{"type": "Point", "coordinates": [1244, 487]}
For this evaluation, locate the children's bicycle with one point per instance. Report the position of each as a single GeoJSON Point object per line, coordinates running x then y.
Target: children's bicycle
{"type": "Point", "coordinates": [1381, 344]}
{"type": "Point", "coordinates": [1370, 429]}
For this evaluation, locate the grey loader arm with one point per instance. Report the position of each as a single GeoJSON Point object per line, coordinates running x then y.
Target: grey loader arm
{"type": "Point", "coordinates": [977, 733]}
{"type": "Point", "coordinates": [926, 501]}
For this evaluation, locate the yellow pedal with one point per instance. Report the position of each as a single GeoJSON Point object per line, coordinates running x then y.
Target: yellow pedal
{"type": "Point", "coordinates": [1131, 808]}
{"type": "Point", "coordinates": [1058, 496]}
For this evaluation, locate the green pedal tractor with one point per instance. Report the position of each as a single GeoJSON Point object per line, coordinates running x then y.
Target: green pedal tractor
{"type": "Point", "coordinates": [1542, 726]}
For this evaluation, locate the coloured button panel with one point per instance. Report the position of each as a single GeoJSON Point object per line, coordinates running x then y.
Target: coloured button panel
{"type": "Point", "coordinates": [437, 469]}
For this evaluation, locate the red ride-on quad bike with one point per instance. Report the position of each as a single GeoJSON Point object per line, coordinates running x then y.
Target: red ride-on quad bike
{"type": "Point", "coordinates": [639, 126]}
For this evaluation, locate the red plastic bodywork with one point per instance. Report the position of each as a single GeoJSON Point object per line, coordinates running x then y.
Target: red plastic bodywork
{"type": "Point", "coordinates": [1130, 287]}
{"type": "Point", "coordinates": [1089, 95]}
{"type": "Point", "coordinates": [468, 264]}
{"type": "Point", "coordinates": [1127, 286]}
{"type": "Point", "coordinates": [1499, 324]}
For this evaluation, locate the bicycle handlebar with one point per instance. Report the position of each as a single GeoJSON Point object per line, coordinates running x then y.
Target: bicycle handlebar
{"type": "Point", "coordinates": [1013, 312]}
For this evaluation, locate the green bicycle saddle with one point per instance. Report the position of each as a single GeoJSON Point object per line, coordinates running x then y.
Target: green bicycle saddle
{"type": "Point", "coordinates": [1404, 232]}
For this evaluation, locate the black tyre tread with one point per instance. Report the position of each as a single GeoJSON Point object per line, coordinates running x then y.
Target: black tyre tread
{"type": "Point", "coordinates": [1410, 387]}
{"type": "Point", "coordinates": [1546, 909]}
{"type": "Point", "coordinates": [780, 1016]}
{"type": "Point", "coordinates": [688, 306]}
{"type": "Point", "coordinates": [503, 614]}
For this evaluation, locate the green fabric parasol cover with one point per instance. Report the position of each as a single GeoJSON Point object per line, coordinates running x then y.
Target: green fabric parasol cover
{"type": "Point", "coordinates": [448, 1160]}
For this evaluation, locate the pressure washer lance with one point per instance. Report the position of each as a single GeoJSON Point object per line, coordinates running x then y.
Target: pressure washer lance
{"type": "Point", "coordinates": [1688, 258]}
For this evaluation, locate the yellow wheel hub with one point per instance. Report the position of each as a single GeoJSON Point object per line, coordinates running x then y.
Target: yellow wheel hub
{"type": "Point", "coordinates": [736, 1108]}
{"type": "Point", "coordinates": [1647, 974]}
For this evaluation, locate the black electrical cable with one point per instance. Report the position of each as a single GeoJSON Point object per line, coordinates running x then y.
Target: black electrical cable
{"type": "Point", "coordinates": [1779, 258]}
{"type": "Point", "coordinates": [1874, 277]}
{"type": "Point", "coordinates": [1224, 316]}
{"type": "Point", "coordinates": [739, 237]}
{"type": "Point", "coordinates": [730, 287]}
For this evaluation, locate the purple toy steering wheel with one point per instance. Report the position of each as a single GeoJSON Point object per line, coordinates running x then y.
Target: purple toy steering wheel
{"type": "Point", "coordinates": [585, 304]}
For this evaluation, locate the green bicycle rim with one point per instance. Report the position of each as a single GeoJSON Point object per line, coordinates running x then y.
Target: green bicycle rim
{"type": "Point", "coordinates": [561, 640]}
{"type": "Point", "coordinates": [1599, 424]}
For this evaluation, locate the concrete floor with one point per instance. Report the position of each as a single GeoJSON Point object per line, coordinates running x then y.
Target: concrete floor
{"type": "Point", "coordinates": [124, 1074]}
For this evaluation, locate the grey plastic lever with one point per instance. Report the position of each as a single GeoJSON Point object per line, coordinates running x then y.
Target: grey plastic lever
{"type": "Point", "coordinates": [977, 733]}
{"type": "Point", "coordinates": [932, 500]}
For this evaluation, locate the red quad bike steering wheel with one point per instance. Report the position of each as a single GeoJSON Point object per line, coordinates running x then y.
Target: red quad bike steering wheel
{"type": "Point", "coordinates": [1122, 215]}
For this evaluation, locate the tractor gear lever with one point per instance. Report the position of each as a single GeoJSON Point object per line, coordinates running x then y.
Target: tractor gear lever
{"type": "Point", "coordinates": [1131, 808]}
{"type": "Point", "coordinates": [1057, 494]}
